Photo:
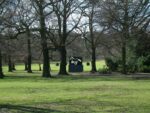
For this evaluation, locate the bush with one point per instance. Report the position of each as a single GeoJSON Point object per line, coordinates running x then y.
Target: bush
{"type": "Point", "coordinates": [132, 66]}
{"type": "Point", "coordinates": [105, 70]}
{"type": "Point", "coordinates": [144, 64]}
{"type": "Point", "coordinates": [112, 64]}
{"type": "Point", "coordinates": [146, 69]}
{"type": "Point", "coordinates": [147, 61]}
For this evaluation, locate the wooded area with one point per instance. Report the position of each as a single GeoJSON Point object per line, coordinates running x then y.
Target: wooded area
{"type": "Point", "coordinates": [114, 30]}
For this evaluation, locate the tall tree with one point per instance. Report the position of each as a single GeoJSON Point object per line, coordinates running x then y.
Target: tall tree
{"type": "Point", "coordinates": [122, 16]}
{"type": "Point", "coordinates": [21, 22]}
{"type": "Point", "coordinates": [1, 29]}
{"type": "Point", "coordinates": [9, 56]}
{"type": "Point", "coordinates": [40, 7]}
{"type": "Point", "coordinates": [92, 30]}
{"type": "Point", "coordinates": [26, 19]}
{"type": "Point", "coordinates": [1, 70]}
{"type": "Point", "coordinates": [67, 15]}
{"type": "Point", "coordinates": [19, 19]}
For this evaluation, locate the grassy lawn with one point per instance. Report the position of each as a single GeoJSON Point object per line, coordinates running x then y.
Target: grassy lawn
{"type": "Point", "coordinates": [30, 93]}
{"type": "Point", "coordinates": [100, 64]}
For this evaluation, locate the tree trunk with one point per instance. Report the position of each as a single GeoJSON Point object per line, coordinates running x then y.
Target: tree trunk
{"type": "Point", "coordinates": [125, 37]}
{"type": "Point", "coordinates": [40, 69]}
{"type": "Point", "coordinates": [29, 70]}
{"type": "Point", "coordinates": [46, 61]}
{"type": "Point", "coordinates": [1, 70]}
{"type": "Point", "coordinates": [63, 63]}
{"type": "Point", "coordinates": [13, 66]}
{"type": "Point", "coordinates": [124, 66]}
{"type": "Point", "coordinates": [62, 48]}
{"type": "Point", "coordinates": [9, 64]}
{"type": "Point", "coordinates": [25, 65]}
{"type": "Point", "coordinates": [93, 62]}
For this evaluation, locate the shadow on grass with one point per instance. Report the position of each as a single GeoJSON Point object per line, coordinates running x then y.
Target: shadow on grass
{"type": "Point", "coordinates": [24, 77]}
{"type": "Point", "coordinates": [37, 76]}
{"type": "Point", "coordinates": [26, 109]}
{"type": "Point", "coordinates": [141, 76]}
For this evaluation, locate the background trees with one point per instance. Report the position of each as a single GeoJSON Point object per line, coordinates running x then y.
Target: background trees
{"type": "Point", "coordinates": [26, 18]}
{"type": "Point", "coordinates": [1, 29]}
{"type": "Point", "coordinates": [109, 26]}
{"type": "Point", "coordinates": [1, 70]}
{"type": "Point", "coordinates": [123, 16]}
{"type": "Point", "coordinates": [92, 30]}
{"type": "Point", "coordinates": [40, 7]}
{"type": "Point", "coordinates": [67, 15]}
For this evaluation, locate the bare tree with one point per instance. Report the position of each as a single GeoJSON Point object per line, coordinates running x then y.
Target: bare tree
{"type": "Point", "coordinates": [1, 70]}
{"type": "Point", "coordinates": [11, 25]}
{"type": "Point", "coordinates": [92, 31]}
{"type": "Point", "coordinates": [25, 19]}
{"type": "Point", "coordinates": [9, 47]}
{"type": "Point", "coordinates": [21, 23]}
{"type": "Point", "coordinates": [67, 15]}
{"type": "Point", "coordinates": [40, 7]}
{"type": "Point", "coordinates": [1, 29]}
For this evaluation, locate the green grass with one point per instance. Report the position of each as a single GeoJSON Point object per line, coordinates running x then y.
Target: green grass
{"type": "Point", "coordinates": [100, 64]}
{"type": "Point", "coordinates": [27, 93]}
{"type": "Point", "coordinates": [30, 93]}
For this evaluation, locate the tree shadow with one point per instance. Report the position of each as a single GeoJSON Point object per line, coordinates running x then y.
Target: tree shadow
{"type": "Point", "coordinates": [27, 109]}
{"type": "Point", "coordinates": [141, 76]}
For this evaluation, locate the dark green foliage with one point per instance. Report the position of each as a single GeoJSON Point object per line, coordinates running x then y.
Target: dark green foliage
{"type": "Point", "coordinates": [144, 64]}
{"type": "Point", "coordinates": [115, 64]}
{"type": "Point", "coordinates": [143, 45]}
{"type": "Point", "coordinates": [142, 51]}
{"type": "Point", "coordinates": [112, 64]}
{"type": "Point", "coordinates": [147, 61]}
{"type": "Point", "coordinates": [132, 68]}
{"type": "Point", "coordinates": [138, 64]}
{"type": "Point", "coordinates": [132, 65]}
{"type": "Point", "coordinates": [146, 69]}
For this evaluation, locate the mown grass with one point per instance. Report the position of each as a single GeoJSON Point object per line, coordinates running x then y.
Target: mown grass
{"type": "Point", "coordinates": [30, 93]}
{"type": "Point", "coordinates": [54, 68]}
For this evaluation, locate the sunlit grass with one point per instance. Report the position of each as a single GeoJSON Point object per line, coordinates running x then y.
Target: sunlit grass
{"type": "Point", "coordinates": [21, 92]}
{"type": "Point", "coordinates": [54, 68]}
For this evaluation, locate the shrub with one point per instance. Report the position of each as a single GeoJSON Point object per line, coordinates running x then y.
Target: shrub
{"type": "Point", "coordinates": [144, 64]}
{"type": "Point", "coordinates": [112, 64]}
{"type": "Point", "coordinates": [105, 70]}
{"type": "Point", "coordinates": [146, 69]}
{"type": "Point", "coordinates": [147, 61]}
{"type": "Point", "coordinates": [132, 66]}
